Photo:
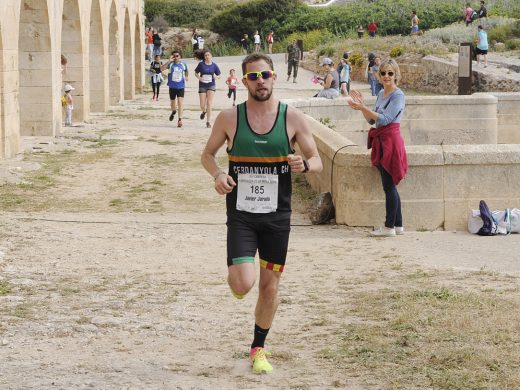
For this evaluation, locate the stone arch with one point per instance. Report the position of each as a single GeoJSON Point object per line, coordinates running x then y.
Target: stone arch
{"type": "Point", "coordinates": [96, 60]}
{"type": "Point", "coordinates": [129, 80]}
{"type": "Point", "coordinates": [3, 140]}
{"type": "Point", "coordinates": [138, 54]}
{"type": "Point", "coordinates": [72, 50]}
{"type": "Point", "coordinates": [114, 56]}
{"type": "Point", "coordinates": [35, 69]}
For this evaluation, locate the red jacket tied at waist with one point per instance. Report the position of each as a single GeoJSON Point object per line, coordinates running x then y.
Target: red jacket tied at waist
{"type": "Point", "coordinates": [394, 161]}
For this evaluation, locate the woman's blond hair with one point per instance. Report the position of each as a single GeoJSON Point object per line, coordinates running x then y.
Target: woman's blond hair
{"type": "Point", "coordinates": [394, 67]}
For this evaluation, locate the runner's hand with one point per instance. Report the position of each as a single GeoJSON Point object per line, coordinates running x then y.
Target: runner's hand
{"type": "Point", "coordinates": [224, 183]}
{"type": "Point", "coordinates": [296, 163]}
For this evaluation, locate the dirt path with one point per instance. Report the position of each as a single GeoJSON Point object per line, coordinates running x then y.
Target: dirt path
{"type": "Point", "coordinates": [112, 268]}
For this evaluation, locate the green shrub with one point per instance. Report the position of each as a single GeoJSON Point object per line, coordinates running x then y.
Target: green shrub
{"type": "Point", "coordinates": [356, 59]}
{"type": "Point", "coordinates": [311, 39]}
{"type": "Point", "coordinates": [187, 13]}
{"type": "Point", "coordinates": [513, 44]}
{"type": "Point", "coordinates": [261, 15]}
{"type": "Point", "coordinates": [226, 47]}
{"type": "Point", "coordinates": [396, 52]}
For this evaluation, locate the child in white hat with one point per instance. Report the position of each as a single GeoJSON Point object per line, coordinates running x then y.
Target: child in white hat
{"type": "Point", "coordinates": [69, 104]}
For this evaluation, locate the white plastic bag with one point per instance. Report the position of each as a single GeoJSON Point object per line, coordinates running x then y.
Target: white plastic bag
{"type": "Point", "coordinates": [508, 221]}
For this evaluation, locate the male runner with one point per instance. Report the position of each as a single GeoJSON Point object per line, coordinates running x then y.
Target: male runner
{"type": "Point", "coordinates": [177, 78]}
{"type": "Point", "coordinates": [260, 136]}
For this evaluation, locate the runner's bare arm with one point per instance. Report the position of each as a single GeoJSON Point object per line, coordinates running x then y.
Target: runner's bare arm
{"type": "Point", "coordinates": [223, 182]}
{"type": "Point", "coordinates": [299, 128]}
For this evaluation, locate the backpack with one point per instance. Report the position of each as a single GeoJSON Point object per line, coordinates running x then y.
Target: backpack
{"type": "Point", "coordinates": [63, 101]}
{"type": "Point", "coordinates": [483, 12]}
{"type": "Point", "coordinates": [474, 15]}
{"type": "Point", "coordinates": [490, 224]}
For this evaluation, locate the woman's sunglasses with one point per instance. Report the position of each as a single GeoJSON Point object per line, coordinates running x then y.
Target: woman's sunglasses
{"type": "Point", "coordinates": [386, 73]}
{"type": "Point", "coordinates": [265, 74]}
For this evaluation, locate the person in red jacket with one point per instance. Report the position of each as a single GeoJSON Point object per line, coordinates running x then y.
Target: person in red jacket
{"type": "Point", "coordinates": [372, 29]}
{"type": "Point", "coordinates": [384, 138]}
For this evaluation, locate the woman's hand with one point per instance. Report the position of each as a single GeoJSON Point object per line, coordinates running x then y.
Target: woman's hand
{"type": "Point", "coordinates": [356, 100]}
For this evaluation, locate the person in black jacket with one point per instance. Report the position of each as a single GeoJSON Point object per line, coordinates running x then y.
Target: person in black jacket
{"type": "Point", "coordinates": [157, 50]}
{"type": "Point", "coordinates": [482, 12]}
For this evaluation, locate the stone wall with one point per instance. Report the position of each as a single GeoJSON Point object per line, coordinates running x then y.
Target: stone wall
{"type": "Point", "coordinates": [427, 120]}
{"type": "Point", "coordinates": [442, 185]}
{"type": "Point", "coordinates": [444, 181]}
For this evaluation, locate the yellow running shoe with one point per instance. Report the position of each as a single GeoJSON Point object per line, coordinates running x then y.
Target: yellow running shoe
{"type": "Point", "coordinates": [259, 361]}
{"type": "Point", "coordinates": [236, 295]}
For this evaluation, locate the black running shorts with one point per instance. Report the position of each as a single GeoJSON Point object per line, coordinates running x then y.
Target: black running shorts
{"type": "Point", "coordinates": [176, 93]}
{"type": "Point", "coordinates": [247, 233]}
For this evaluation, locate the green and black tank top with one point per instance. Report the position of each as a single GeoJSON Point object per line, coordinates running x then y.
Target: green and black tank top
{"type": "Point", "coordinates": [258, 164]}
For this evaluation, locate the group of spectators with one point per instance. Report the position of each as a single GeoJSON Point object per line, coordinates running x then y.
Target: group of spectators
{"type": "Point", "coordinates": [249, 45]}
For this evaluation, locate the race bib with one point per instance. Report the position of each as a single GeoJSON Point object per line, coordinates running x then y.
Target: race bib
{"type": "Point", "coordinates": [233, 82]}
{"type": "Point", "coordinates": [257, 193]}
{"type": "Point", "coordinates": [207, 78]}
{"type": "Point", "coordinates": [177, 75]}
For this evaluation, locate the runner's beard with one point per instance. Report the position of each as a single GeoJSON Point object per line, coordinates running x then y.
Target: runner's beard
{"type": "Point", "coordinates": [263, 97]}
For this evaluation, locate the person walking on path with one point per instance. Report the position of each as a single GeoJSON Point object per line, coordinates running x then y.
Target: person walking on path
{"type": "Point", "coordinates": [69, 104]}
{"type": "Point", "coordinates": [207, 71]}
{"type": "Point", "coordinates": [344, 75]}
{"type": "Point", "coordinates": [388, 151]}
{"type": "Point", "coordinates": [244, 42]}
{"type": "Point", "coordinates": [375, 70]}
{"type": "Point", "coordinates": [157, 50]}
{"type": "Point", "coordinates": [149, 44]}
{"type": "Point", "coordinates": [177, 78]}
{"type": "Point", "coordinates": [415, 24]}
{"type": "Point", "coordinates": [468, 14]}
{"type": "Point", "coordinates": [260, 135]}
{"type": "Point", "coordinates": [372, 29]}
{"type": "Point", "coordinates": [292, 59]}
{"type": "Point", "coordinates": [371, 75]}
{"type": "Point", "coordinates": [482, 46]}
{"type": "Point", "coordinates": [360, 31]}
{"type": "Point", "coordinates": [194, 41]}
{"type": "Point", "coordinates": [157, 77]}
{"type": "Point", "coordinates": [258, 41]}
{"type": "Point", "coordinates": [232, 83]}
{"type": "Point", "coordinates": [270, 41]}
{"type": "Point", "coordinates": [482, 13]}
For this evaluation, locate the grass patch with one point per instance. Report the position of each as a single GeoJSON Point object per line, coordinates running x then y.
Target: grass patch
{"type": "Point", "coordinates": [426, 335]}
{"type": "Point", "coordinates": [100, 143]}
{"type": "Point", "coordinates": [5, 288]}
{"type": "Point", "coordinates": [116, 202]}
{"type": "Point", "coordinates": [160, 160]}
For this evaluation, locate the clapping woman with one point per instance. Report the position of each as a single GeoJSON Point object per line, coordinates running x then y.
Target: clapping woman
{"type": "Point", "coordinates": [384, 138]}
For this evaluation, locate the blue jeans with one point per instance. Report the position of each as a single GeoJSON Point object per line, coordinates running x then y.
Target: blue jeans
{"type": "Point", "coordinates": [393, 200]}
{"type": "Point", "coordinates": [373, 84]}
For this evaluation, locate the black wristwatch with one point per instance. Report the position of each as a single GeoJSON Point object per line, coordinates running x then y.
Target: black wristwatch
{"type": "Point", "coordinates": [305, 166]}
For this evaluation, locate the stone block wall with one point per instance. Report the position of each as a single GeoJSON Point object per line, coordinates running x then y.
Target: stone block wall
{"type": "Point", "coordinates": [427, 120]}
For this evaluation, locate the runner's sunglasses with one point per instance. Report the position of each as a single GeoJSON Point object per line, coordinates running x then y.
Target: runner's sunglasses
{"type": "Point", "coordinates": [265, 74]}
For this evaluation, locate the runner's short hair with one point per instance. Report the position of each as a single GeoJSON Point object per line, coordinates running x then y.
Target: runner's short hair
{"type": "Point", "coordinates": [255, 57]}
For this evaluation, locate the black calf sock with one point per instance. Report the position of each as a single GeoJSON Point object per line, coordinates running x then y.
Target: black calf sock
{"type": "Point", "coordinates": [260, 335]}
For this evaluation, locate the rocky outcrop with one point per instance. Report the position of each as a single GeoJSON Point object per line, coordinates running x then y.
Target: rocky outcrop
{"type": "Point", "coordinates": [180, 38]}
